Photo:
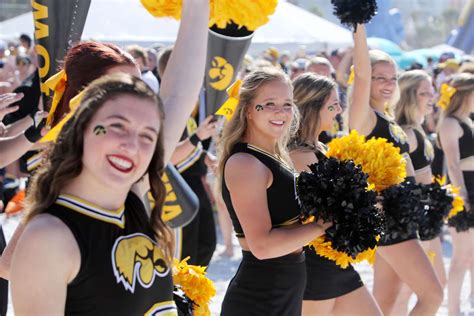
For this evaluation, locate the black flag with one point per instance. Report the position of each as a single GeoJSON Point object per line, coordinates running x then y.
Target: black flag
{"type": "Point", "coordinates": [58, 26]}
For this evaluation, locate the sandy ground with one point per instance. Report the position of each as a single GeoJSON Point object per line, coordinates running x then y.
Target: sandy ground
{"type": "Point", "coordinates": [223, 268]}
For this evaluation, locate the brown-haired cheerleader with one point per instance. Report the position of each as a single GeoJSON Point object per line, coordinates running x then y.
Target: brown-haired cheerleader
{"type": "Point", "coordinates": [400, 259]}
{"type": "Point", "coordinates": [108, 256]}
{"type": "Point", "coordinates": [457, 141]}
{"type": "Point", "coordinates": [258, 187]}
{"type": "Point", "coordinates": [330, 289]}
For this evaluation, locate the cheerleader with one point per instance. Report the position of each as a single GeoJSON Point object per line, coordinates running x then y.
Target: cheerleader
{"type": "Point", "coordinates": [258, 188]}
{"type": "Point", "coordinates": [330, 290]}
{"type": "Point", "coordinates": [415, 103]}
{"type": "Point", "coordinates": [456, 137]}
{"type": "Point", "coordinates": [82, 194]}
{"type": "Point", "coordinates": [402, 260]}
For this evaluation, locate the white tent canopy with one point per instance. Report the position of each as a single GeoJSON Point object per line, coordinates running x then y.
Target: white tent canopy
{"type": "Point", "coordinates": [126, 22]}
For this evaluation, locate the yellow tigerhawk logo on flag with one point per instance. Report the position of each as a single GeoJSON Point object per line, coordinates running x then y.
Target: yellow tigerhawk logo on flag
{"type": "Point", "coordinates": [228, 108]}
{"type": "Point", "coordinates": [222, 72]}
{"type": "Point", "coordinates": [137, 259]}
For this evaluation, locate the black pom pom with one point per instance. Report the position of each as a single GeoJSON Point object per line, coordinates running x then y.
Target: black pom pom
{"type": "Point", "coordinates": [336, 191]}
{"type": "Point", "coordinates": [403, 207]}
{"type": "Point", "coordinates": [353, 12]}
{"type": "Point", "coordinates": [438, 204]}
{"type": "Point", "coordinates": [462, 221]}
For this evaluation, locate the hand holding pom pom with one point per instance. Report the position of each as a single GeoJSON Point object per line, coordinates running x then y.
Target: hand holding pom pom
{"type": "Point", "coordinates": [337, 191]}
{"type": "Point", "coordinates": [352, 12]}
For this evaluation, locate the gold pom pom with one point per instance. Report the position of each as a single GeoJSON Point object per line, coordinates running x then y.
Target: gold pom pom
{"type": "Point", "coordinates": [251, 14]}
{"type": "Point", "coordinates": [195, 285]}
{"type": "Point", "coordinates": [458, 202]}
{"type": "Point", "coordinates": [323, 247]}
{"type": "Point", "coordinates": [379, 159]}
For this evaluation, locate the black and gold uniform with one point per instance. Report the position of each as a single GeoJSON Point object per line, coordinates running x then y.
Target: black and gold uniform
{"type": "Point", "coordinates": [423, 155]}
{"type": "Point", "coordinates": [123, 271]}
{"type": "Point", "coordinates": [394, 134]}
{"type": "Point", "coordinates": [325, 279]}
{"type": "Point", "coordinates": [272, 286]}
{"type": "Point", "coordinates": [466, 150]}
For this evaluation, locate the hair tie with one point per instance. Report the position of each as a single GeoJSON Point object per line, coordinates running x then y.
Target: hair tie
{"type": "Point", "coordinates": [57, 83]}
{"type": "Point", "coordinates": [228, 108]}
{"type": "Point", "coordinates": [446, 93]}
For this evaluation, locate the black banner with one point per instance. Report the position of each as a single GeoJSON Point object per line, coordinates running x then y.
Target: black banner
{"type": "Point", "coordinates": [58, 26]}
{"type": "Point", "coordinates": [226, 49]}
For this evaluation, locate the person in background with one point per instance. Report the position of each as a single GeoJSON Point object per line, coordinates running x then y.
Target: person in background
{"type": "Point", "coordinates": [141, 57]}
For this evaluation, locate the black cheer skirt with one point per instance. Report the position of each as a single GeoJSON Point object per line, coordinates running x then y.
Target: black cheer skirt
{"type": "Point", "coordinates": [272, 287]}
{"type": "Point", "coordinates": [326, 280]}
{"type": "Point", "coordinates": [464, 221]}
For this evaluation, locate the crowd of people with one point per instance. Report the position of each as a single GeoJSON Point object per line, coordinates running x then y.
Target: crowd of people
{"type": "Point", "coordinates": [120, 115]}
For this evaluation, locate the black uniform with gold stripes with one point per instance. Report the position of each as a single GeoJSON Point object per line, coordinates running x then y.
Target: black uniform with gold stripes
{"type": "Point", "coordinates": [123, 271]}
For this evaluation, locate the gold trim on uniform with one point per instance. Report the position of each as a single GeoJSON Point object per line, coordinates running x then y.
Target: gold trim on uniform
{"type": "Point", "coordinates": [81, 206]}
{"type": "Point", "coordinates": [167, 308]}
{"type": "Point", "coordinates": [289, 222]}
{"type": "Point", "coordinates": [190, 159]}
{"type": "Point", "coordinates": [277, 158]}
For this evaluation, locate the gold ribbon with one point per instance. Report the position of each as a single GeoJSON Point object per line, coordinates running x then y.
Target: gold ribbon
{"type": "Point", "coordinates": [228, 108]}
{"type": "Point", "coordinates": [57, 83]}
{"type": "Point", "coordinates": [53, 133]}
{"type": "Point", "coordinates": [446, 93]}
{"type": "Point", "coordinates": [350, 80]}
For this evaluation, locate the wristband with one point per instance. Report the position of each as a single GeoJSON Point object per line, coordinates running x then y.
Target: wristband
{"type": "Point", "coordinates": [194, 139]}
{"type": "Point", "coordinates": [33, 133]}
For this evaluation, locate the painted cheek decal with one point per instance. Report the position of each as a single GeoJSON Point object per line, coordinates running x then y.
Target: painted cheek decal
{"type": "Point", "coordinates": [100, 130]}
{"type": "Point", "coordinates": [259, 107]}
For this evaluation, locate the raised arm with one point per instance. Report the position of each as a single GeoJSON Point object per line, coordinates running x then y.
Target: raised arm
{"type": "Point", "coordinates": [361, 116]}
{"type": "Point", "coordinates": [184, 72]}
{"type": "Point", "coordinates": [247, 180]}
{"type": "Point", "coordinates": [343, 67]}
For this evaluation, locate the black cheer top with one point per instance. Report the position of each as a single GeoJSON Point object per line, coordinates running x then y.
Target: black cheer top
{"type": "Point", "coordinates": [466, 141]}
{"type": "Point", "coordinates": [423, 155]}
{"type": "Point", "coordinates": [123, 271]}
{"type": "Point", "coordinates": [391, 131]}
{"type": "Point", "coordinates": [281, 195]}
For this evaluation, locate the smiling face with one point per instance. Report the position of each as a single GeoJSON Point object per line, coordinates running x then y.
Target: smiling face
{"type": "Point", "coordinates": [271, 111]}
{"type": "Point", "coordinates": [425, 97]}
{"type": "Point", "coordinates": [120, 140]}
{"type": "Point", "coordinates": [329, 111]}
{"type": "Point", "coordinates": [384, 82]}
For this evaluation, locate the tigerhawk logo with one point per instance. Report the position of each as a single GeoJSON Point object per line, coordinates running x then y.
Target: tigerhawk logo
{"type": "Point", "coordinates": [137, 258]}
{"type": "Point", "coordinates": [222, 72]}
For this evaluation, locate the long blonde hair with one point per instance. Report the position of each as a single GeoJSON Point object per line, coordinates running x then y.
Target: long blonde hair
{"type": "Point", "coordinates": [311, 93]}
{"type": "Point", "coordinates": [405, 110]}
{"type": "Point", "coordinates": [235, 129]}
{"type": "Point", "coordinates": [464, 85]}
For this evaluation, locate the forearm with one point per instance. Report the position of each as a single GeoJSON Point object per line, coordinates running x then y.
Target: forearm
{"type": "Point", "coordinates": [18, 127]}
{"type": "Point", "coordinates": [457, 179]}
{"type": "Point", "coordinates": [13, 148]}
{"type": "Point", "coordinates": [182, 151]}
{"type": "Point", "coordinates": [282, 241]}
{"type": "Point", "coordinates": [362, 66]}
{"type": "Point", "coordinates": [184, 73]}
